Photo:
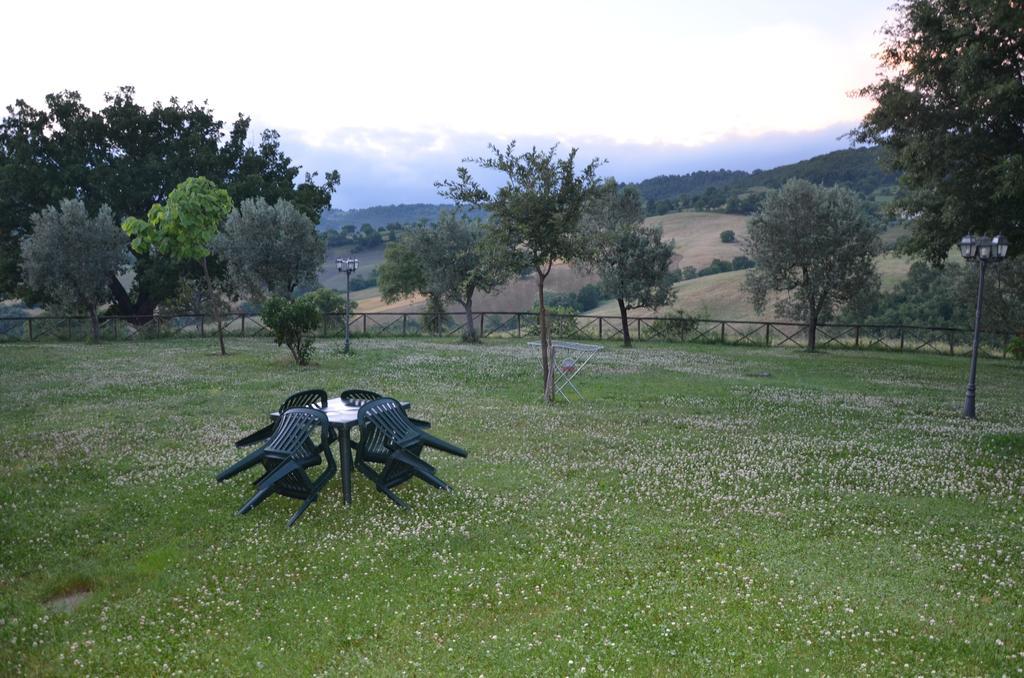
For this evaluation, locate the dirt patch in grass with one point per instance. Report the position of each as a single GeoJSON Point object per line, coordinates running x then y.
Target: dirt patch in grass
{"type": "Point", "coordinates": [69, 597]}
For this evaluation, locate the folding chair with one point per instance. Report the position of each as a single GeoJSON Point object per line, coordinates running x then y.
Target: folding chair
{"type": "Point", "coordinates": [287, 455]}
{"type": "Point", "coordinates": [388, 440]}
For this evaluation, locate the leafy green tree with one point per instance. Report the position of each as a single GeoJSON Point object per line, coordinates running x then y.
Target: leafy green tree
{"type": "Point", "coordinates": [450, 263]}
{"type": "Point", "coordinates": [727, 236]}
{"type": "Point", "coordinates": [328, 301]}
{"type": "Point", "coordinates": [630, 257]}
{"type": "Point", "coordinates": [269, 249]}
{"type": "Point", "coordinates": [184, 228]}
{"type": "Point", "coordinates": [817, 246]}
{"type": "Point", "coordinates": [70, 256]}
{"type": "Point", "coordinates": [949, 112]}
{"type": "Point", "coordinates": [536, 215]}
{"type": "Point", "coordinates": [129, 156]}
{"type": "Point", "coordinates": [293, 324]}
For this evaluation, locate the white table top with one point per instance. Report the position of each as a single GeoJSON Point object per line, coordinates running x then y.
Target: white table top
{"type": "Point", "coordinates": [340, 414]}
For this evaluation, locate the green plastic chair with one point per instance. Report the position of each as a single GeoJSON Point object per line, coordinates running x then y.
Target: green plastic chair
{"type": "Point", "coordinates": [390, 445]}
{"type": "Point", "coordinates": [287, 455]}
{"type": "Point", "coordinates": [311, 398]}
{"type": "Point", "coordinates": [357, 397]}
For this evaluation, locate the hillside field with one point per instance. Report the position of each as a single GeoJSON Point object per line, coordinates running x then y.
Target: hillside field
{"type": "Point", "coordinates": [697, 242]}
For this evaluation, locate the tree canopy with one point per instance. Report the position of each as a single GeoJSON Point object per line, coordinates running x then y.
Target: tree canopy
{"type": "Point", "coordinates": [950, 113]}
{"type": "Point", "coordinates": [451, 263]}
{"type": "Point", "coordinates": [129, 156]}
{"type": "Point", "coordinates": [270, 248]}
{"type": "Point", "coordinates": [183, 229]}
{"type": "Point", "coordinates": [70, 257]}
{"type": "Point", "coordinates": [814, 244]}
{"type": "Point", "coordinates": [536, 214]}
{"type": "Point", "coordinates": [630, 257]}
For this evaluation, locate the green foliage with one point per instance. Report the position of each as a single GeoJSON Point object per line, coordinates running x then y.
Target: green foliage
{"type": "Point", "coordinates": [70, 257]}
{"type": "Point", "coordinates": [947, 113]}
{"type": "Point", "coordinates": [675, 325]}
{"type": "Point", "coordinates": [741, 192]}
{"type": "Point", "coordinates": [381, 216]}
{"type": "Point", "coordinates": [293, 324]}
{"type": "Point", "coordinates": [1016, 347]}
{"type": "Point", "coordinates": [561, 321]}
{"type": "Point", "coordinates": [184, 227]}
{"type": "Point", "coordinates": [629, 256]}
{"type": "Point", "coordinates": [817, 246]}
{"type": "Point", "coordinates": [128, 157]}
{"type": "Point", "coordinates": [451, 263]}
{"type": "Point", "coordinates": [536, 215]}
{"type": "Point", "coordinates": [727, 236]}
{"type": "Point", "coordinates": [270, 248]}
{"type": "Point", "coordinates": [587, 298]}
{"type": "Point", "coordinates": [328, 301]}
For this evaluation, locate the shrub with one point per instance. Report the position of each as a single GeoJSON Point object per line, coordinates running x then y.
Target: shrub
{"type": "Point", "coordinates": [689, 272]}
{"type": "Point", "coordinates": [561, 321]}
{"type": "Point", "coordinates": [675, 325]}
{"type": "Point", "coordinates": [1016, 347]}
{"type": "Point", "coordinates": [716, 266]}
{"type": "Point", "coordinates": [293, 323]}
{"type": "Point", "coordinates": [328, 301]}
{"type": "Point", "coordinates": [742, 262]}
{"type": "Point", "coordinates": [727, 236]}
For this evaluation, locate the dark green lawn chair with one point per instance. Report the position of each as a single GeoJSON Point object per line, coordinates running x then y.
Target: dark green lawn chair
{"type": "Point", "coordinates": [312, 398]}
{"type": "Point", "coordinates": [390, 445]}
{"type": "Point", "coordinates": [357, 397]}
{"type": "Point", "coordinates": [286, 456]}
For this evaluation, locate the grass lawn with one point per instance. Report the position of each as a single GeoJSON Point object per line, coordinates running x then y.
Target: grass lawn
{"type": "Point", "coordinates": [708, 509]}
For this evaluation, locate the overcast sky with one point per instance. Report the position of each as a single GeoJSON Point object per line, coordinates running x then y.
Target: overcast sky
{"type": "Point", "coordinates": [395, 94]}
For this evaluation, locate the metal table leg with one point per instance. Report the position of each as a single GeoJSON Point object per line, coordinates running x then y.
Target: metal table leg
{"type": "Point", "coordinates": [346, 465]}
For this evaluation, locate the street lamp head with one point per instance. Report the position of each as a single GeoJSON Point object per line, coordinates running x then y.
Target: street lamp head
{"type": "Point", "coordinates": [1000, 246]}
{"type": "Point", "coordinates": [985, 248]}
{"type": "Point", "coordinates": [346, 265]}
{"type": "Point", "coordinates": [968, 247]}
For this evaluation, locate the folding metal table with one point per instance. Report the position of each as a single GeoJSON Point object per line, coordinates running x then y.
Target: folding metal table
{"type": "Point", "coordinates": [575, 358]}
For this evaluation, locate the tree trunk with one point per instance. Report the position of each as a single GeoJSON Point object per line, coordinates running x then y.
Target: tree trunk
{"type": "Point", "coordinates": [546, 358]}
{"type": "Point", "coordinates": [626, 341]}
{"type": "Point", "coordinates": [215, 306]}
{"type": "Point", "coordinates": [812, 331]}
{"type": "Point", "coordinates": [95, 323]}
{"type": "Point", "coordinates": [139, 312]}
{"type": "Point", "coordinates": [469, 334]}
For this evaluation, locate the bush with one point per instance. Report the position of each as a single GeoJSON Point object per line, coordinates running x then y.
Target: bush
{"type": "Point", "coordinates": [689, 272]}
{"type": "Point", "coordinates": [328, 301]}
{"type": "Point", "coordinates": [742, 262]}
{"type": "Point", "coordinates": [716, 266]}
{"type": "Point", "coordinates": [293, 323]}
{"type": "Point", "coordinates": [1016, 347]}
{"type": "Point", "coordinates": [727, 236]}
{"type": "Point", "coordinates": [564, 325]}
{"type": "Point", "coordinates": [675, 325]}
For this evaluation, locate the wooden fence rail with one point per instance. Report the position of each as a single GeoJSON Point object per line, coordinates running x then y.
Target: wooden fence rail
{"type": "Point", "coordinates": [945, 340]}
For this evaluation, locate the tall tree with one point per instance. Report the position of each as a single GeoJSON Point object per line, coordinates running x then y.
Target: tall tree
{"type": "Point", "coordinates": [269, 248]}
{"type": "Point", "coordinates": [817, 245]}
{"type": "Point", "coordinates": [70, 256]}
{"type": "Point", "coordinates": [630, 257]}
{"type": "Point", "coordinates": [536, 214]}
{"type": "Point", "coordinates": [950, 112]}
{"type": "Point", "coordinates": [184, 228]}
{"type": "Point", "coordinates": [129, 156]}
{"type": "Point", "coordinates": [450, 263]}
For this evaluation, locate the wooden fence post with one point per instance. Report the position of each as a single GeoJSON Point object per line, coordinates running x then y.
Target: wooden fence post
{"type": "Point", "coordinates": [30, 329]}
{"type": "Point", "coordinates": [901, 337]}
{"type": "Point", "coordinates": [723, 333]}
{"type": "Point", "coordinates": [767, 334]}
{"type": "Point", "coordinates": [856, 336]}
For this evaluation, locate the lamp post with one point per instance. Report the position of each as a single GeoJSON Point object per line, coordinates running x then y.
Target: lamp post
{"type": "Point", "coordinates": [984, 250]}
{"type": "Point", "coordinates": [348, 266]}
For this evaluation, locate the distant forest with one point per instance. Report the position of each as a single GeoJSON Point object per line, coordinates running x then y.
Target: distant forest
{"type": "Point", "coordinates": [740, 192]}
{"type": "Point", "coordinates": [733, 191]}
{"type": "Point", "coordinates": [381, 215]}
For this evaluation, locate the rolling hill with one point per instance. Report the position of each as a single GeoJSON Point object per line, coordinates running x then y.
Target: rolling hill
{"type": "Point", "coordinates": [697, 240]}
